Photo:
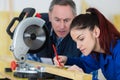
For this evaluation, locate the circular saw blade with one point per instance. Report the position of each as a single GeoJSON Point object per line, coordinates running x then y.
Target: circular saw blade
{"type": "Point", "coordinates": [34, 37]}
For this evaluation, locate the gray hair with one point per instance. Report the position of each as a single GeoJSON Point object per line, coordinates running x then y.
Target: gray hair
{"type": "Point", "coordinates": [63, 3]}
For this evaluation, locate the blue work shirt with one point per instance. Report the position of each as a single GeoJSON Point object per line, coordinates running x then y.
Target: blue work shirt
{"type": "Point", "coordinates": [109, 64]}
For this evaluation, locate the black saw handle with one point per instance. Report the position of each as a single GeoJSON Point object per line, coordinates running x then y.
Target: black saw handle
{"type": "Point", "coordinates": [27, 12]}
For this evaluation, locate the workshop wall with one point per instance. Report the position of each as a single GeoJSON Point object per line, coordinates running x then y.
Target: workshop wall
{"type": "Point", "coordinates": [12, 8]}
{"type": "Point", "coordinates": [111, 9]}
{"type": "Point", "coordinates": [4, 41]}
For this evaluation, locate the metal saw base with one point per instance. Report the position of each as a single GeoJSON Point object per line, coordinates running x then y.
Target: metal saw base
{"type": "Point", "coordinates": [34, 76]}
{"type": "Point", "coordinates": [26, 75]}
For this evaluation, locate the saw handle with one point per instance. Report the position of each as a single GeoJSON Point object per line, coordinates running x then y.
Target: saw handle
{"type": "Point", "coordinates": [10, 25]}
{"type": "Point", "coordinates": [27, 12]}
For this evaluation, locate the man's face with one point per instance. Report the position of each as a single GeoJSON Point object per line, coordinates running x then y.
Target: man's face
{"type": "Point", "coordinates": [61, 17]}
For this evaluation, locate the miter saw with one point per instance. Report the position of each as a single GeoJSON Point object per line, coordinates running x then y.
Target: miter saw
{"type": "Point", "coordinates": [29, 36]}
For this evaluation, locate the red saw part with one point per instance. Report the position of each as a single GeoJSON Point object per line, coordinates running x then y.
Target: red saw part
{"type": "Point", "coordinates": [13, 65]}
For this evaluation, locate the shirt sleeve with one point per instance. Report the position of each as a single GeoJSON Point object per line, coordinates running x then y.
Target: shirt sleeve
{"type": "Point", "coordinates": [117, 67]}
{"type": "Point", "coordinates": [87, 63]}
{"type": "Point", "coordinates": [116, 52]}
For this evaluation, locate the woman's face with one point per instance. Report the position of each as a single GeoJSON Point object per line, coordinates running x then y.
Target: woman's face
{"type": "Point", "coordinates": [86, 40]}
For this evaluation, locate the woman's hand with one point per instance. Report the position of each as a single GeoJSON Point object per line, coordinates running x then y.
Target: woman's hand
{"type": "Point", "coordinates": [75, 68]}
{"type": "Point", "coordinates": [61, 60]}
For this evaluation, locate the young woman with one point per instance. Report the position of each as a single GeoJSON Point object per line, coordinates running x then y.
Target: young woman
{"type": "Point", "coordinates": [99, 41]}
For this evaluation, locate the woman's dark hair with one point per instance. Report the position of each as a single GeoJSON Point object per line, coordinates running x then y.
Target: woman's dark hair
{"type": "Point", "coordinates": [108, 32]}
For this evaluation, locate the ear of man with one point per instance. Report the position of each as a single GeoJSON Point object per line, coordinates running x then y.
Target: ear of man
{"type": "Point", "coordinates": [49, 15]}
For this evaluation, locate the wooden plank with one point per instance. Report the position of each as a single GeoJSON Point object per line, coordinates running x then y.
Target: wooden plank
{"type": "Point", "coordinates": [4, 74]}
{"type": "Point", "coordinates": [62, 72]}
{"type": "Point", "coordinates": [5, 62]}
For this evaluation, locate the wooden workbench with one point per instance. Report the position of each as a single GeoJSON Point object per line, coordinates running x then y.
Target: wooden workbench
{"type": "Point", "coordinates": [5, 63]}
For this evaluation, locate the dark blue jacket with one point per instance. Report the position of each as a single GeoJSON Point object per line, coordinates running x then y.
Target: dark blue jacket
{"type": "Point", "coordinates": [67, 47]}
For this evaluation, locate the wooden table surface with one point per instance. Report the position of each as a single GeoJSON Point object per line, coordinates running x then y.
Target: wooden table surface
{"type": "Point", "coordinates": [5, 63]}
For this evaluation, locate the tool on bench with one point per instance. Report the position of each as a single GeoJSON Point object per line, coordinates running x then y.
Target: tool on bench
{"type": "Point", "coordinates": [29, 36]}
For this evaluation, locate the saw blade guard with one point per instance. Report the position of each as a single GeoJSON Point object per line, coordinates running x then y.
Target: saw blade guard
{"type": "Point", "coordinates": [30, 34]}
